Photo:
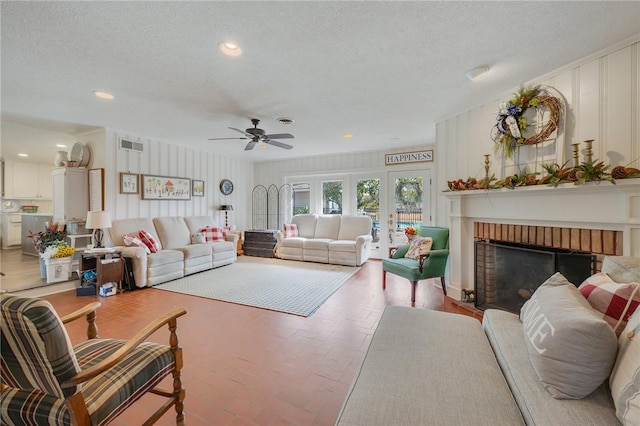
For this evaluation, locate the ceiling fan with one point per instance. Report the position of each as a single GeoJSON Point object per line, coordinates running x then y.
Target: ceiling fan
{"type": "Point", "coordinates": [256, 135]}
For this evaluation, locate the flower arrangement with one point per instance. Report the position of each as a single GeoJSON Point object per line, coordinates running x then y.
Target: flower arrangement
{"type": "Point", "coordinates": [56, 250]}
{"type": "Point", "coordinates": [410, 230]}
{"type": "Point", "coordinates": [511, 123]}
{"type": "Point", "coordinates": [45, 238]}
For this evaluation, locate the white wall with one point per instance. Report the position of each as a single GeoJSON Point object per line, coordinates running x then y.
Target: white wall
{"type": "Point", "coordinates": [164, 159]}
{"type": "Point", "coordinates": [602, 103]}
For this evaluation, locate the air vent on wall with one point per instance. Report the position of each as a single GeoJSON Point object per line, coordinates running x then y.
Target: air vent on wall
{"type": "Point", "coordinates": [131, 146]}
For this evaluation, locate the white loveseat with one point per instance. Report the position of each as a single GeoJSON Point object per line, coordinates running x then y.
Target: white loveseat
{"type": "Point", "coordinates": [178, 256]}
{"type": "Point", "coordinates": [335, 239]}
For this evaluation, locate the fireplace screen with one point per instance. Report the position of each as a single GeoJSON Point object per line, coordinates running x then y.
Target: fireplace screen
{"type": "Point", "coordinates": [506, 275]}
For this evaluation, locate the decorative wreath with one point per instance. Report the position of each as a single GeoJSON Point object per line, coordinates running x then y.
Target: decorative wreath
{"type": "Point", "coordinates": [508, 132]}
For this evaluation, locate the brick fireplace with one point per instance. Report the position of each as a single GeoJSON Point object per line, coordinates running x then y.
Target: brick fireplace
{"type": "Point", "coordinates": [603, 219]}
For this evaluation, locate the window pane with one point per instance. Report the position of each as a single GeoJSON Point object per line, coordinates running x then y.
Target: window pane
{"type": "Point", "coordinates": [301, 198]}
{"type": "Point", "coordinates": [332, 197]}
{"type": "Point", "coordinates": [369, 204]}
{"type": "Point", "coordinates": [408, 195]}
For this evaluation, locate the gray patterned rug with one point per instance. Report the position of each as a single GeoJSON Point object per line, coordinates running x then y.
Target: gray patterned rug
{"type": "Point", "coordinates": [298, 288]}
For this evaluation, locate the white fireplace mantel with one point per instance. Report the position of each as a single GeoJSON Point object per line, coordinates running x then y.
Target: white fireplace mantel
{"type": "Point", "coordinates": [593, 205]}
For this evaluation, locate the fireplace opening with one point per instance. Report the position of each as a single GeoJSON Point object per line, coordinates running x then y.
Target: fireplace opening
{"type": "Point", "coordinates": [507, 274]}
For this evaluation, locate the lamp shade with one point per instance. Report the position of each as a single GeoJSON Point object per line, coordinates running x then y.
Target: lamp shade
{"type": "Point", "coordinates": [98, 219]}
{"type": "Point", "coordinates": [226, 207]}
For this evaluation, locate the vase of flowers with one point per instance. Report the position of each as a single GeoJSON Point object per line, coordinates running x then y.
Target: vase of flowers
{"type": "Point", "coordinates": [55, 254]}
{"type": "Point", "coordinates": [410, 232]}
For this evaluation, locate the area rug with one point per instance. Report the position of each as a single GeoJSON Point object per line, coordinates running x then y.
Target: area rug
{"type": "Point", "coordinates": [298, 288]}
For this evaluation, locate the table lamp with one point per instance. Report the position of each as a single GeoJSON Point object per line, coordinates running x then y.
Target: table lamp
{"type": "Point", "coordinates": [226, 208]}
{"type": "Point", "coordinates": [98, 220]}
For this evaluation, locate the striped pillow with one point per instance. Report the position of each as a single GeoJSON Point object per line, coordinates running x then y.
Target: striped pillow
{"type": "Point", "coordinates": [616, 301]}
{"type": "Point", "coordinates": [130, 239]}
{"type": "Point", "coordinates": [625, 378]}
{"type": "Point", "coordinates": [149, 241]}
{"type": "Point", "coordinates": [290, 230]}
{"type": "Point", "coordinates": [211, 233]}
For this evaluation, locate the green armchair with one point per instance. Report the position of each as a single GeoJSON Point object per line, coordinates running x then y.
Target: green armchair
{"type": "Point", "coordinates": [431, 265]}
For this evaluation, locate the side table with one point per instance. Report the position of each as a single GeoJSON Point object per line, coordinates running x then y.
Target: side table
{"type": "Point", "coordinates": [109, 267]}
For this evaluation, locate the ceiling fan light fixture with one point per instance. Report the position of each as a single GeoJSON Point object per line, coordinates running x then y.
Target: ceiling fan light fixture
{"type": "Point", "coordinates": [230, 48]}
{"type": "Point", "coordinates": [348, 136]}
{"type": "Point", "coordinates": [286, 120]}
{"type": "Point", "coordinates": [477, 72]}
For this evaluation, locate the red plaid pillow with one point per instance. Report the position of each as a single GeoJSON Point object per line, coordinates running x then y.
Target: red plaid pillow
{"type": "Point", "coordinates": [290, 230]}
{"type": "Point", "coordinates": [616, 301]}
{"type": "Point", "coordinates": [226, 230]}
{"type": "Point", "coordinates": [149, 241]}
{"type": "Point", "coordinates": [211, 233]}
{"type": "Point", "coordinates": [130, 239]}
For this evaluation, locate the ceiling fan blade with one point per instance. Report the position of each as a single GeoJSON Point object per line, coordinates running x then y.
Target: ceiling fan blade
{"type": "Point", "coordinates": [250, 145]}
{"type": "Point", "coordinates": [280, 136]}
{"type": "Point", "coordinates": [278, 144]}
{"type": "Point", "coordinates": [223, 139]}
{"type": "Point", "coordinates": [248, 135]}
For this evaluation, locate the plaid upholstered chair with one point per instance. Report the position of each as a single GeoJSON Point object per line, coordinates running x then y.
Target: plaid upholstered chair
{"type": "Point", "coordinates": [47, 381]}
{"type": "Point", "coordinates": [432, 265]}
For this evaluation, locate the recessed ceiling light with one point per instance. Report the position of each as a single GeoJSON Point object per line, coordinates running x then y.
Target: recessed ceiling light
{"type": "Point", "coordinates": [230, 48]}
{"type": "Point", "coordinates": [263, 146]}
{"type": "Point", "coordinates": [348, 136]}
{"type": "Point", "coordinates": [23, 155]}
{"type": "Point", "coordinates": [61, 145]}
{"type": "Point", "coordinates": [476, 73]}
{"type": "Point", "coordinates": [103, 95]}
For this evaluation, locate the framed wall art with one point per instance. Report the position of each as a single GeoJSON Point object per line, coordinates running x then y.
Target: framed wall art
{"type": "Point", "coordinates": [129, 183]}
{"type": "Point", "coordinates": [198, 188]}
{"type": "Point", "coordinates": [165, 188]}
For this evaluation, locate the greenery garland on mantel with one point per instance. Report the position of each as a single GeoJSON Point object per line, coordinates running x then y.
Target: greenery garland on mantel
{"type": "Point", "coordinates": [511, 125]}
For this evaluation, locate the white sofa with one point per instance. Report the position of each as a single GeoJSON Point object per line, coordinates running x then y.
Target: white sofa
{"type": "Point", "coordinates": [335, 239]}
{"type": "Point", "coordinates": [177, 257]}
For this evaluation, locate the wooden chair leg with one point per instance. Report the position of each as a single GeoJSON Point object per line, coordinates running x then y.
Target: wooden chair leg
{"type": "Point", "coordinates": [444, 286]}
{"type": "Point", "coordinates": [414, 284]}
{"type": "Point", "coordinates": [384, 280]}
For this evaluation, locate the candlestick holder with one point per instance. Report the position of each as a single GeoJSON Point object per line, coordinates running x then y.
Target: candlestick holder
{"type": "Point", "coordinates": [576, 161]}
{"type": "Point", "coordinates": [486, 165]}
{"type": "Point", "coordinates": [589, 152]}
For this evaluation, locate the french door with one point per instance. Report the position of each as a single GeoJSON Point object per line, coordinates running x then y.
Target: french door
{"type": "Point", "coordinates": [409, 202]}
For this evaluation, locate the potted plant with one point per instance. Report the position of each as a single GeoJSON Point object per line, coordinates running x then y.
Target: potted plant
{"type": "Point", "coordinates": [410, 232]}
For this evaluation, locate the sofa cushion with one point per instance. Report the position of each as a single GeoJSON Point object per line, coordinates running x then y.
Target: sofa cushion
{"type": "Point", "coordinates": [571, 348]}
{"type": "Point", "coordinates": [316, 244]}
{"type": "Point", "coordinates": [290, 230]}
{"type": "Point", "coordinates": [351, 227]}
{"type": "Point", "coordinates": [306, 224]}
{"type": "Point", "coordinates": [164, 257]}
{"type": "Point", "coordinates": [222, 247]}
{"type": "Point", "coordinates": [195, 250]}
{"type": "Point", "coordinates": [622, 269]}
{"type": "Point", "coordinates": [615, 301]}
{"type": "Point", "coordinates": [296, 242]}
{"type": "Point", "coordinates": [419, 246]}
{"type": "Point", "coordinates": [625, 378]}
{"type": "Point", "coordinates": [538, 407]}
{"type": "Point", "coordinates": [343, 245]}
{"type": "Point", "coordinates": [173, 231]}
{"type": "Point", "coordinates": [327, 227]}
{"type": "Point", "coordinates": [131, 239]}
{"type": "Point", "coordinates": [150, 241]}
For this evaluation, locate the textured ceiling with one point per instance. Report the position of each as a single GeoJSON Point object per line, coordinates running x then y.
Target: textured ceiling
{"type": "Point", "coordinates": [384, 71]}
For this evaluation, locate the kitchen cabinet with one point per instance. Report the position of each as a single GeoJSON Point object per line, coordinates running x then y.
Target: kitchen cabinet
{"type": "Point", "coordinates": [11, 229]}
{"type": "Point", "coordinates": [70, 193]}
{"type": "Point", "coordinates": [29, 181]}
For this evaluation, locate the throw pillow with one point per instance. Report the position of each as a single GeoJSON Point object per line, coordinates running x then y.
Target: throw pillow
{"type": "Point", "coordinates": [130, 239]}
{"type": "Point", "coordinates": [290, 230]}
{"type": "Point", "coordinates": [419, 246]}
{"type": "Point", "coordinates": [198, 238]}
{"type": "Point", "coordinates": [571, 348]}
{"type": "Point", "coordinates": [212, 233]}
{"type": "Point", "coordinates": [625, 378]}
{"type": "Point", "coordinates": [616, 301]}
{"type": "Point", "coordinates": [149, 241]}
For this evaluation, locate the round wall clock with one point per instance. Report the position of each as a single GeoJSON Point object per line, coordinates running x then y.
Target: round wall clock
{"type": "Point", "coordinates": [226, 186]}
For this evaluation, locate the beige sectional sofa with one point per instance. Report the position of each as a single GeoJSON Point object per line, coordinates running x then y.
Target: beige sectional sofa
{"type": "Point", "coordinates": [335, 239]}
{"type": "Point", "coordinates": [178, 256]}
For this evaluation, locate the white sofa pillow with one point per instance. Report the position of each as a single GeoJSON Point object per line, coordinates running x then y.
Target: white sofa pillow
{"type": "Point", "coordinates": [625, 378]}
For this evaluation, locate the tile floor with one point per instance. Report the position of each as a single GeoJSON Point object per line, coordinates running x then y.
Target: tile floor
{"type": "Point", "coordinates": [250, 366]}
